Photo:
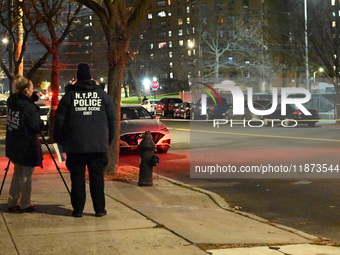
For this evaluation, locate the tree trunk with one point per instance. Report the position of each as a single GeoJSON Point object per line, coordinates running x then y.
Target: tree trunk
{"type": "Point", "coordinates": [115, 74]}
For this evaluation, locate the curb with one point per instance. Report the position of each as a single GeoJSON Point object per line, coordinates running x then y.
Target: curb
{"type": "Point", "coordinates": [217, 199]}
{"type": "Point", "coordinates": [220, 202]}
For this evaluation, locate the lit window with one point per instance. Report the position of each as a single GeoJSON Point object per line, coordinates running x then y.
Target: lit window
{"type": "Point", "coordinates": [180, 32]}
{"type": "Point", "coordinates": [180, 22]}
{"type": "Point", "coordinates": [170, 33]}
{"type": "Point", "coordinates": [334, 24]}
{"type": "Point", "coordinates": [141, 37]}
{"type": "Point", "coordinates": [151, 56]}
{"type": "Point", "coordinates": [150, 16]}
{"type": "Point", "coordinates": [169, 14]}
{"type": "Point", "coordinates": [170, 54]}
{"type": "Point", "coordinates": [189, 53]}
{"type": "Point", "coordinates": [161, 3]}
{"type": "Point", "coordinates": [162, 34]}
{"type": "Point", "coordinates": [188, 20]}
{"type": "Point", "coordinates": [171, 64]}
{"type": "Point", "coordinates": [162, 14]}
{"type": "Point", "coordinates": [181, 42]}
{"type": "Point", "coordinates": [151, 46]}
{"type": "Point", "coordinates": [170, 44]}
{"type": "Point", "coordinates": [169, 2]}
{"type": "Point", "coordinates": [161, 45]}
{"type": "Point", "coordinates": [87, 38]}
{"type": "Point", "coordinates": [171, 75]}
{"type": "Point", "coordinates": [333, 2]}
{"type": "Point", "coordinates": [188, 9]}
{"type": "Point", "coordinates": [90, 17]}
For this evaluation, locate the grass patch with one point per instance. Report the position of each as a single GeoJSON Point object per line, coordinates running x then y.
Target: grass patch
{"type": "Point", "coordinates": [136, 100]}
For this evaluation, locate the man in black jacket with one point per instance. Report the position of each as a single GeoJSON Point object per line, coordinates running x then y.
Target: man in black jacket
{"type": "Point", "coordinates": [84, 126]}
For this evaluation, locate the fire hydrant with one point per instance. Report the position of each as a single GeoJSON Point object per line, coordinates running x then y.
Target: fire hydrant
{"type": "Point", "coordinates": [147, 160]}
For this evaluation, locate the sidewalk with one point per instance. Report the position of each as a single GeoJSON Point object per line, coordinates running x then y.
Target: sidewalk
{"type": "Point", "coordinates": [167, 218]}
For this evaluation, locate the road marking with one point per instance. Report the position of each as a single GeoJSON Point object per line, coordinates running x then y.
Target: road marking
{"type": "Point", "coordinates": [256, 135]}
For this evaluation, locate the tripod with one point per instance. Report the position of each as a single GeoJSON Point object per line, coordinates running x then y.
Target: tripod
{"type": "Point", "coordinates": [55, 163]}
{"type": "Point", "coordinates": [6, 171]}
{"type": "Point", "coordinates": [49, 150]}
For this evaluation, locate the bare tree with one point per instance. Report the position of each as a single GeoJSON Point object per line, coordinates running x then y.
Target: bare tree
{"type": "Point", "coordinates": [119, 19]}
{"type": "Point", "coordinates": [10, 20]}
{"type": "Point", "coordinates": [324, 42]}
{"type": "Point", "coordinates": [232, 42]}
{"type": "Point", "coordinates": [51, 21]}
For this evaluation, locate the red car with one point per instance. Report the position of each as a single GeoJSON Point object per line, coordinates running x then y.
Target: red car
{"type": "Point", "coordinates": [167, 106]}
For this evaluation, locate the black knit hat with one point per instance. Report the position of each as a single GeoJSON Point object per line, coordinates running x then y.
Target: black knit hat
{"type": "Point", "coordinates": [83, 72]}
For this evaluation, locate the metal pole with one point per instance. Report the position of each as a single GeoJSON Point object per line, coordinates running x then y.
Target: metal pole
{"type": "Point", "coordinates": [306, 44]}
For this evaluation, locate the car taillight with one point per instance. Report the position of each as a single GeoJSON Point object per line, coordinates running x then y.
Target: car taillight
{"type": "Point", "coordinates": [297, 112]}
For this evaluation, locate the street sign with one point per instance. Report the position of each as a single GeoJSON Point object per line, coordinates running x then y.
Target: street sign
{"type": "Point", "coordinates": [154, 85]}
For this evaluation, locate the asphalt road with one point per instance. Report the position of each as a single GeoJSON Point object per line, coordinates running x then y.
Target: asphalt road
{"type": "Point", "coordinates": [308, 204]}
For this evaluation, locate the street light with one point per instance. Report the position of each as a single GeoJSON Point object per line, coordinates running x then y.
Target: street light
{"type": "Point", "coordinates": [314, 73]}
{"type": "Point", "coordinates": [5, 40]}
{"type": "Point", "coordinates": [146, 84]}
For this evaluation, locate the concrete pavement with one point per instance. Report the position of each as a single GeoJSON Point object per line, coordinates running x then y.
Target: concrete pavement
{"type": "Point", "coordinates": [167, 218]}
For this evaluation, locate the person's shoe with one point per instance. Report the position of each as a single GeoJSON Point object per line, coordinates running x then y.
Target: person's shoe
{"type": "Point", "coordinates": [77, 214]}
{"type": "Point", "coordinates": [101, 214]}
{"type": "Point", "coordinates": [13, 209]}
{"type": "Point", "coordinates": [28, 209]}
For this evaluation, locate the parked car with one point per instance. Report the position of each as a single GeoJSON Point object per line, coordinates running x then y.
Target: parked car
{"type": "Point", "coordinates": [150, 105]}
{"type": "Point", "coordinates": [167, 106]}
{"type": "Point", "coordinates": [248, 115]}
{"type": "Point", "coordinates": [44, 112]}
{"type": "Point", "coordinates": [3, 107]}
{"type": "Point", "coordinates": [214, 110]}
{"type": "Point", "coordinates": [293, 112]}
{"type": "Point", "coordinates": [135, 120]}
{"type": "Point", "coordinates": [183, 111]}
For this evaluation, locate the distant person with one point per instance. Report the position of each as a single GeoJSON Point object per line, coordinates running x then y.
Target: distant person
{"type": "Point", "coordinates": [144, 99]}
{"type": "Point", "coordinates": [84, 125]}
{"type": "Point", "coordinates": [23, 147]}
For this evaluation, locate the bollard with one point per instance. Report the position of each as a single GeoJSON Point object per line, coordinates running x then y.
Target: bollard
{"type": "Point", "coordinates": [147, 160]}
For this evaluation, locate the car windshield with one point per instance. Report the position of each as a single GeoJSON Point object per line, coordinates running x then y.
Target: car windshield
{"type": "Point", "coordinates": [128, 113]}
{"type": "Point", "coordinates": [175, 100]}
{"type": "Point", "coordinates": [44, 111]}
{"type": "Point", "coordinates": [211, 101]}
{"type": "Point", "coordinates": [185, 105]}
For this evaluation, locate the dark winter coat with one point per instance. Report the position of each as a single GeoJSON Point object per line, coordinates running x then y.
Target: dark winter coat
{"type": "Point", "coordinates": [84, 120]}
{"type": "Point", "coordinates": [22, 131]}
